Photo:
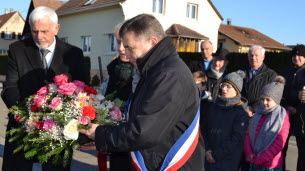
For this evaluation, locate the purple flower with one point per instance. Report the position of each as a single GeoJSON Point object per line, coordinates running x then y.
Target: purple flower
{"type": "Point", "coordinates": [48, 124]}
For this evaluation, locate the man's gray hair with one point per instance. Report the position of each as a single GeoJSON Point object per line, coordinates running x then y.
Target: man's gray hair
{"type": "Point", "coordinates": [256, 46]}
{"type": "Point", "coordinates": [42, 12]}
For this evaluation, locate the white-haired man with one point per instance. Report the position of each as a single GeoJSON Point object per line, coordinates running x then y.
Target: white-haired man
{"type": "Point", "coordinates": [32, 62]}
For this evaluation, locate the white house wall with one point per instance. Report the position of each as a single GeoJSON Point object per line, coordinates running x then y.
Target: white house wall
{"type": "Point", "coordinates": [100, 22]}
{"type": "Point", "coordinates": [207, 22]}
{"type": "Point", "coordinates": [97, 24]}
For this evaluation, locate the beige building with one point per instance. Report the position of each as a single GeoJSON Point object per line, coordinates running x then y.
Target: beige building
{"type": "Point", "coordinates": [89, 23]}
{"type": "Point", "coordinates": [240, 39]}
{"type": "Point", "coordinates": [11, 26]}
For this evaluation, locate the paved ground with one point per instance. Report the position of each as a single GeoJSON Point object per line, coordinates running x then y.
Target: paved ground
{"type": "Point", "coordinates": [87, 161]}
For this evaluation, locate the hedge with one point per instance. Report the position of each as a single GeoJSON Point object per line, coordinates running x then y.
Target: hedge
{"type": "Point", "coordinates": [276, 61]}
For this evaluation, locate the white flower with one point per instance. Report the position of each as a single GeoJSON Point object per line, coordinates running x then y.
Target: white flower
{"type": "Point", "coordinates": [70, 130]}
{"type": "Point", "coordinates": [100, 97]}
{"type": "Point", "coordinates": [52, 88]}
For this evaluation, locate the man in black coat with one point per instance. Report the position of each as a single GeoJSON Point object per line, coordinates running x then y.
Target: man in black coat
{"type": "Point", "coordinates": [257, 76]}
{"type": "Point", "coordinates": [164, 105]}
{"type": "Point", "coordinates": [27, 73]}
{"type": "Point", "coordinates": [291, 100]}
{"type": "Point", "coordinates": [217, 72]}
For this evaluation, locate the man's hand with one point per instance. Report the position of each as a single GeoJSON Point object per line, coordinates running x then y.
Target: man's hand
{"type": "Point", "coordinates": [291, 110]}
{"type": "Point", "coordinates": [88, 146]}
{"type": "Point", "coordinates": [90, 132]}
{"type": "Point", "coordinates": [249, 111]}
{"type": "Point", "coordinates": [208, 155]}
{"type": "Point", "coordinates": [302, 95]}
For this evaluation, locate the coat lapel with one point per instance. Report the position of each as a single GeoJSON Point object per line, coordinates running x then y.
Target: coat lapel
{"type": "Point", "coordinates": [32, 53]}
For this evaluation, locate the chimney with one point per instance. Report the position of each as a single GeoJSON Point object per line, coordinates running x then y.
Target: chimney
{"type": "Point", "coordinates": [229, 21]}
{"type": "Point", "coordinates": [5, 11]}
{"type": "Point", "coordinates": [11, 10]}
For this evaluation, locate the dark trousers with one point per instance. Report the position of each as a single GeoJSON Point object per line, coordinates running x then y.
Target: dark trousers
{"type": "Point", "coordinates": [120, 161]}
{"type": "Point", "coordinates": [17, 162]}
{"type": "Point", "coordinates": [300, 138]}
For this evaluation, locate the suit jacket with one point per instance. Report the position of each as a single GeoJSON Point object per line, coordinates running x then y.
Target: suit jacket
{"type": "Point", "coordinates": [26, 75]}
{"type": "Point", "coordinates": [197, 65]}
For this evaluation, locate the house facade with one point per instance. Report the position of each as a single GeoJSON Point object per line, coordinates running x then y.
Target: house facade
{"type": "Point", "coordinates": [11, 26]}
{"type": "Point", "coordinates": [240, 39]}
{"type": "Point", "coordinates": [89, 24]}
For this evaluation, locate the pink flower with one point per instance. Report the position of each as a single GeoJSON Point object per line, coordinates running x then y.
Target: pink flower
{"type": "Point", "coordinates": [39, 101]}
{"type": "Point", "coordinates": [56, 103]}
{"type": "Point", "coordinates": [61, 79]}
{"type": "Point", "coordinates": [43, 91]}
{"type": "Point", "coordinates": [48, 124]}
{"type": "Point", "coordinates": [80, 85]}
{"type": "Point", "coordinates": [84, 120]}
{"type": "Point", "coordinates": [18, 118]}
{"type": "Point", "coordinates": [115, 114]}
{"type": "Point", "coordinates": [67, 89]}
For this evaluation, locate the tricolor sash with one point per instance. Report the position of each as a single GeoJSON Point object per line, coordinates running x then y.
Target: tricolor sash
{"type": "Point", "coordinates": [179, 153]}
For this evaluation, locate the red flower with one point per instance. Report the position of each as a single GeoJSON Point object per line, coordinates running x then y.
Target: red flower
{"type": "Point", "coordinates": [90, 90]}
{"type": "Point", "coordinates": [18, 118]}
{"type": "Point", "coordinates": [90, 112]}
{"type": "Point", "coordinates": [34, 108]}
{"type": "Point", "coordinates": [39, 125]}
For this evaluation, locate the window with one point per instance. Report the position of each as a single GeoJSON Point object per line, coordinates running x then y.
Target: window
{"type": "Point", "coordinates": [89, 2]}
{"type": "Point", "coordinates": [2, 51]}
{"type": "Point", "coordinates": [86, 44]}
{"type": "Point", "coordinates": [64, 39]}
{"type": "Point", "coordinates": [158, 6]}
{"type": "Point", "coordinates": [8, 35]}
{"type": "Point", "coordinates": [191, 11]}
{"type": "Point", "coordinates": [112, 43]}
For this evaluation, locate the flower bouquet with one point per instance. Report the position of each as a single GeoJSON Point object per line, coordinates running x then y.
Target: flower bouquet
{"type": "Point", "coordinates": [50, 119]}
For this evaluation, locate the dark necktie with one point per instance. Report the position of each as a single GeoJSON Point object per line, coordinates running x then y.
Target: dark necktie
{"type": "Point", "coordinates": [44, 52]}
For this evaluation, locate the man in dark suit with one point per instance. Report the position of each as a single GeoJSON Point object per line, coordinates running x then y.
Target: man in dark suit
{"type": "Point", "coordinates": [207, 56]}
{"type": "Point", "coordinates": [29, 69]}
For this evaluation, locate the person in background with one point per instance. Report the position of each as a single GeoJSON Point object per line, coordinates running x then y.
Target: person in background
{"type": "Point", "coordinates": [257, 76]}
{"type": "Point", "coordinates": [201, 80]}
{"type": "Point", "coordinates": [206, 53]}
{"type": "Point", "coordinates": [164, 106]}
{"type": "Point", "coordinates": [299, 92]}
{"type": "Point", "coordinates": [32, 63]}
{"type": "Point", "coordinates": [268, 129]}
{"type": "Point", "coordinates": [217, 72]}
{"type": "Point", "coordinates": [290, 100]}
{"type": "Point", "coordinates": [224, 125]}
{"type": "Point", "coordinates": [120, 71]}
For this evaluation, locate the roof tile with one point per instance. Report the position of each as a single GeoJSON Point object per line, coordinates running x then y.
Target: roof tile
{"type": "Point", "coordinates": [78, 5]}
{"type": "Point", "coordinates": [249, 36]}
{"type": "Point", "coordinates": [180, 30]}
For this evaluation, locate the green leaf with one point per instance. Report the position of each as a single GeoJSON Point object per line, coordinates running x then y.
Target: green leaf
{"type": "Point", "coordinates": [30, 154]}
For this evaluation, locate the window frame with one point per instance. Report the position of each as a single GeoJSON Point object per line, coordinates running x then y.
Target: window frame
{"type": "Point", "coordinates": [190, 11]}
{"type": "Point", "coordinates": [86, 40]}
{"type": "Point", "coordinates": [155, 4]}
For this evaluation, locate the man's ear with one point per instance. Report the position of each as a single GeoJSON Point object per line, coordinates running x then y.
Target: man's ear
{"type": "Point", "coordinates": [154, 41]}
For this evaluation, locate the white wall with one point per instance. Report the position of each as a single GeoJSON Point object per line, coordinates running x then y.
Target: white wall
{"type": "Point", "coordinates": [207, 22]}
{"type": "Point", "coordinates": [97, 24]}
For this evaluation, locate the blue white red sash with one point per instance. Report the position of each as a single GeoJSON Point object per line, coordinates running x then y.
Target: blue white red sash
{"type": "Point", "coordinates": [178, 154]}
